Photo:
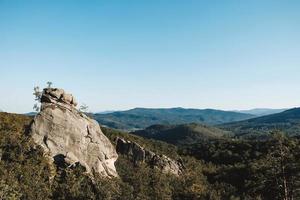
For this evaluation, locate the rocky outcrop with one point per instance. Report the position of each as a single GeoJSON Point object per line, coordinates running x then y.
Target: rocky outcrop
{"type": "Point", "coordinates": [139, 154]}
{"type": "Point", "coordinates": [69, 136]}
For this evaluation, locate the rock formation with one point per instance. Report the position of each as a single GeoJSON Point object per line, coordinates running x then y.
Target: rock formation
{"type": "Point", "coordinates": [139, 154]}
{"type": "Point", "coordinates": [69, 136]}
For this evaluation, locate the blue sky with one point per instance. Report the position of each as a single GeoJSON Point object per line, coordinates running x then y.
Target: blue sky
{"type": "Point", "coordinates": [116, 55]}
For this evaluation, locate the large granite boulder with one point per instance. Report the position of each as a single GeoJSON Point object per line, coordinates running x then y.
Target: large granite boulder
{"type": "Point", "coordinates": [69, 136]}
{"type": "Point", "coordinates": [139, 154]}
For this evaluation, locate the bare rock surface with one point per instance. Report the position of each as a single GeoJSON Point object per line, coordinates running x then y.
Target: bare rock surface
{"type": "Point", "coordinates": [140, 154]}
{"type": "Point", "coordinates": [69, 136]}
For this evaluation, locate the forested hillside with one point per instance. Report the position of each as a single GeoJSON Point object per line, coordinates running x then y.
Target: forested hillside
{"type": "Point", "coordinates": [182, 134]}
{"type": "Point", "coordinates": [287, 121]}
{"type": "Point", "coordinates": [214, 169]}
{"type": "Point", "coordinates": [140, 118]}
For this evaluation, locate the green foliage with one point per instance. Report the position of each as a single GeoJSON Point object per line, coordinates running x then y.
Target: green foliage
{"type": "Point", "coordinates": [182, 134]}
{"type": "Point", "coordinates": [147, 183]}
{"type": "Point", "coordinates": [70, 184]}
{"type": "Point", "coordinates": [287, 121]}
{"type": "Point", "coordinates": [192, 184]}
{"type": "Point", "coordinates": [267, 169]}
{"type": "Point", "coordinates": [22, 167]}
{"type": "Point", "coordinates": [9, 192]}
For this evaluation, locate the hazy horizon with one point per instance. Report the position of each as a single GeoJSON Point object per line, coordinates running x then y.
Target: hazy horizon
{"type": "Point", "coordinates": [120, 110]}
{"type": "Point", "coordinates": [119, 55]}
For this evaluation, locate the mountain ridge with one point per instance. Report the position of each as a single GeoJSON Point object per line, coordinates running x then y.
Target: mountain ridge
{"type": "Point", "coordinates": [261, 111]}
{"type": "Point", "coordinates": [182, 134]}
{"type": "Point", "coordinates": [287, 121]}
{"type": "Point", "coordinates": [140, 118]}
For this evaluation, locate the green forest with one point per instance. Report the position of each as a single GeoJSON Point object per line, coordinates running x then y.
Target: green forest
{"type": "Point", "coordinates": [213, 169]}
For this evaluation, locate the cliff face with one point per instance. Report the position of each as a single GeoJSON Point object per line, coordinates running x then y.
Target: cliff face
{"type": "Point", "coordinates": [139, 154]}
{"type": "Point", "coordinates": [71, 137]}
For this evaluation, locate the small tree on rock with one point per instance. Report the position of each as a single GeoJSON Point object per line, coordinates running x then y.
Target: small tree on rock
{"type": "Point", "coordinates": [38, 95]}
{"type": "Point", "coordinates": [49, 84]}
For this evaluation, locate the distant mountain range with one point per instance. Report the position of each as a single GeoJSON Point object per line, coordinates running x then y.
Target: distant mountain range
{"type": "Point", "coordinates": [245, 123]}
{"type": "Point", "coordinates": [260, 127]}
{"type": "Point", "coordinates": [106, 112]}
{"type": "Point", "coordinates": [261, 111]}
{"type": "Point", "coordinates": [287, 121]}
{"type": "Point", "coordinates": [140, 118]}
{"type": "Point", "coordinates": [182, 134]}
{"type": "Point", "coordinates": [30, 114]}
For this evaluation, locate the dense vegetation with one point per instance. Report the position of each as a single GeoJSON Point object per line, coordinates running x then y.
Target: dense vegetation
{"type": "Point", "coordinates": [182, 134]}
{"type": "Point", "coordinates": [268, 169]}
{"type": "Point", "coordinates": [214, 169]}
{"type": "Point", "coordinates": [140, 118]}
{"type": "Point", "coordinates": [287, 121]}
{"type": "Point", "coordinates": [24, 171]}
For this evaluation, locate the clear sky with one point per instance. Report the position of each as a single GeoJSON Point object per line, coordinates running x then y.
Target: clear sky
{"type": "Point", "coordinates": [122, 54]}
